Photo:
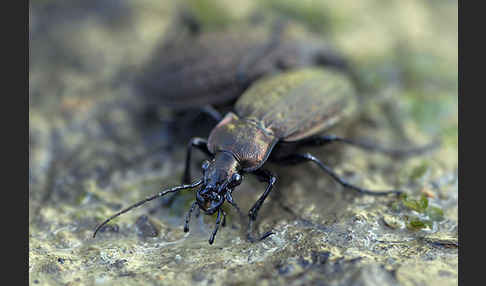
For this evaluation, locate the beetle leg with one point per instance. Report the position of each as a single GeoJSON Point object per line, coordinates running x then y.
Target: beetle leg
{"type": "Point", "coordinates": [188, 217]}
{"type": "Point", "coordinates": [223, 224]}
{"type": "Point", "coordinates": [198, 212]}
{"type": "Point", "coordinates": [211, 111]}
{"type": "Point", "coordinates": [301, 158]}
{"type": "Point", "coordinates": [368, 146]}
{"type": "Point", "coordinates": [199, 143]}
{"type": "Point", "coordinates": [263, 175]}
{"type": "Point", "coordinates": [330, 58]}
{"type": "Point", "coordinates": [218, 221]}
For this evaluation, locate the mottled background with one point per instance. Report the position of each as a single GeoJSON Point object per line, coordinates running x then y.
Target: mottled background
{"type": "Point", "coordinates": [94, 149]}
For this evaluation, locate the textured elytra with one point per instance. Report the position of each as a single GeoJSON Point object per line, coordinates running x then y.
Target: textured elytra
{"type": "Point", "coordinates": [285, 107]}
{"type": "Point", "coordinates": [297, 104]}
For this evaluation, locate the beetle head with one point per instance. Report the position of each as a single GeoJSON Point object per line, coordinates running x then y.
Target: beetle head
{"type": "Point", "coordinates": [221, 176]}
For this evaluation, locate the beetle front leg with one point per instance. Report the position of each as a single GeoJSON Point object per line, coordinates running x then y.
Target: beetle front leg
{"type": "Point", "coordinates": [188, 217]}
{"type": "Point", "coordinates": [201, 144]}
{"type": "Point", "coordinates": [262, 175]}
{"type": "Point", "coordinates": [218, 222]}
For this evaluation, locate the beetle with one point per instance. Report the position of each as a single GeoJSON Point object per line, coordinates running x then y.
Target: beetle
{"type": "Point", "coordinates": [214, 68]}
{"type": "Point", "coordinates": [274, 118]}
{"type": "Point", "coordinates": [204, 74]}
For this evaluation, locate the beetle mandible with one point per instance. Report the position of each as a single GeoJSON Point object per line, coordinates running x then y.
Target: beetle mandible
{"type": "Point", "coordinates": [271, 120]}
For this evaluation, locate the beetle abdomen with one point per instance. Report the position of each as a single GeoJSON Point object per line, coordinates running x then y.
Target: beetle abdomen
{"type": "Point", "coordinates": [244, 138]}
{"type": "Point", "coordinates": [297, 104]}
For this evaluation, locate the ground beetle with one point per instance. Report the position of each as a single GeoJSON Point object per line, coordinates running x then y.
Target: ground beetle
{"type": "Point", "coordinates": [216, 67]}
{"type": "Point", "coordinates": [271, 120]}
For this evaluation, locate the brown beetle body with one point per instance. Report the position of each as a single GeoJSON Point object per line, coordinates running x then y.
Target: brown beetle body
{"type": "Point", "coordinates": [288, 107]}
{"type": "Point", "coordinates": [216, 67]}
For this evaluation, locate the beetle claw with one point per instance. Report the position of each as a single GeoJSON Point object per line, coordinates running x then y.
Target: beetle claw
{"type": "Point", "coordinates": [253, 240]}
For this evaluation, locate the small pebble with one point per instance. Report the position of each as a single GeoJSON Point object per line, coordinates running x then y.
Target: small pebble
{"type": "Point", "coordinates": [393, 221]}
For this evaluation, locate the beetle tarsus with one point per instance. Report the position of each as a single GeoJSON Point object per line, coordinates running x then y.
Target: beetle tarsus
{"type": "Point", "coordinates": [218, 221]}
{"type": "Point", "coordinates": [267, 234]}
{"type": "Point", "coordinates": [251, 239]}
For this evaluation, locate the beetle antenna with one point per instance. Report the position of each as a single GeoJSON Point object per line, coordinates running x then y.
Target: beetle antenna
{"type": "Point", "coordinates": [163, 193]}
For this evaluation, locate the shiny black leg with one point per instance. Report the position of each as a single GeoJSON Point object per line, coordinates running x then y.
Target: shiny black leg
{"type": "Point", "coordinates": [188, 217]}
{"type": "Point", "coordinates": [264, 176]}
{"type": "Point", "coordinates": [223, 224]}
{"type": "Point", "coordinates": [212, 112]}
{"type": "Point", "coordinates": [200, 144]}
{"type": "Point", "coordinates": [218, 221]}
{"type": "Point", "coordinates": [368, 146]}
{"type": "Point", "coordinates": [301, 158]}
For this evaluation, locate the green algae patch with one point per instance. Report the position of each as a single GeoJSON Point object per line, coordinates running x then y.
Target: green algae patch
{"type": "Point", "coordinates": [417, 213]}
{"type": "Point", "coordinates": [419, 205]}
{"type": "Point", "coordinates": [416, 224]}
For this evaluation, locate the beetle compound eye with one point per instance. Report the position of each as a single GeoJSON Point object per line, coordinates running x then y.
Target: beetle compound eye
{"type": "Point", "coordinates": [235, 179]}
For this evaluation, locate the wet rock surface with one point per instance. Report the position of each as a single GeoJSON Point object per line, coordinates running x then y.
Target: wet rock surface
{"type": "Point", "coordinates": [95, 149]}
